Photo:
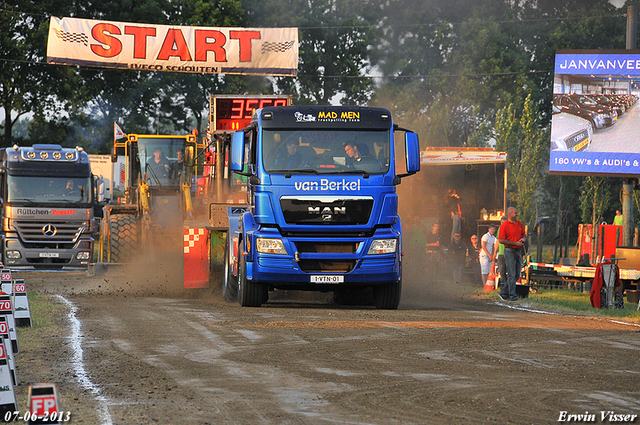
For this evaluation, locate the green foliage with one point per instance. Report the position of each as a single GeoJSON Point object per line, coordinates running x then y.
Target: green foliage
{"type": "Point", "coordinates": [334, 39]}
{"type": "Point", "coordinates": [525, 144]}
{"type": "Point", "coordinates": [458, 73]}
{"type": "Point", "coordinates": [594, 199]}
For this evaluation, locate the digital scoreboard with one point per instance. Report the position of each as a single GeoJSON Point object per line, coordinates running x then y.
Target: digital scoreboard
{"type": "Point", "coordinates": [234, 112]}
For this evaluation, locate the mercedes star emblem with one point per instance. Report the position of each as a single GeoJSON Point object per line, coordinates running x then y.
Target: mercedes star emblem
{"type": "Point", "coordinates": [49, 230]}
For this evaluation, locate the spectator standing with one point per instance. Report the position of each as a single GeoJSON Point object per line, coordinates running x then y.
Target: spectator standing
{"type": "Point", "coordinates": [457, 256]}
{"type": "Point", "coordinates": [453, 203]}
{"type": "Point", "coordinates": [433, 249]}
{"type": "Point", "coordinates": [502, 267]}
{"type": "Point", "coordinates": [488, 252]}
{"type": "Point", "coordinates": [473, 258]}
{"type": "Point", "coordinates": [513, 237]}
{"type": "Point", "coordinates": [618, 219]}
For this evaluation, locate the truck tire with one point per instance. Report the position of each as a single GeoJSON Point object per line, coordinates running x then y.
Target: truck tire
{"type": "Point", "coordinates": [387, 295]}
{"type": "Point", "coordinates": [125, 237]}
{"type": "Point", "coordinates": [250, 294]}
{"type": "Point", "coordinates": [229, 282]}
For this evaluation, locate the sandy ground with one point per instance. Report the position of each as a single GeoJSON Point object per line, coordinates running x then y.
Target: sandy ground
{"type": "Point", "coordinates": [131, 346]}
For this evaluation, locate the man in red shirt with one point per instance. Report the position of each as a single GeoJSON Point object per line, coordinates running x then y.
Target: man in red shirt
{"type": "Point", "coordinates": [513, 237]}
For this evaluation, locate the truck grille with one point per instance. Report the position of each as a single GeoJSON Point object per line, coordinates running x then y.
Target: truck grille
{"type": "Point", "coordinates": [329, 211]}
{"type": "Point", "coordinates": [327, 247]}
{"type": "Point", "coordinates": [323, 266]}
{"type": "Point", "coordinates": [336, 265]}
{"type": "Point", "coordinates": [49, 234]}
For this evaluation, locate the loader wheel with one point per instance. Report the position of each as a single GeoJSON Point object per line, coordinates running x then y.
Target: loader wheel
{"type": "Point", "coordinates": [387, 295]}
{"type": "Point", "coordinates": [125, 237]}
{"type": "Point", "coordinates": [250, 294]}
{"type": "Point", "coordinates": [229, 283]}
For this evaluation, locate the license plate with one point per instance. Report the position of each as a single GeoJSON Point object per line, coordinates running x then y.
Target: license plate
{"type": "Point", "coordinates": [49, 255]}
{"type": "Point", "coordinates": [327, 279]}
{"type": "Point", "coordinates": [581, 144]}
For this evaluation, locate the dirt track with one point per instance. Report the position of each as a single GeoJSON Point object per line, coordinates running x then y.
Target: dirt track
{"type": "Point", "coordinates": [152, 352]}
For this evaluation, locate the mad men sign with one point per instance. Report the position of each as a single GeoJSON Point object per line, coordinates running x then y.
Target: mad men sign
{"type": "Point", "coordinates": [248, 51]}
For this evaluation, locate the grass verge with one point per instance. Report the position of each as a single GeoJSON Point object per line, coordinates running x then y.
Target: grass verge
{"type": "Point", "coordinates": [570, 302]}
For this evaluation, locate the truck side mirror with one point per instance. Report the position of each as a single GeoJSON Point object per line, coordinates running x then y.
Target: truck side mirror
{"type": "Point", "coordinates": [237, 151]}
{"type": "Point", "coordinates": [412, 147]}
{"type": "Point", "coordinates": [189, 156]}
{"type": "Point", "coordinates": [101, 189]}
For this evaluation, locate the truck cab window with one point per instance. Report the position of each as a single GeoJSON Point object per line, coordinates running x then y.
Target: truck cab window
{"type": "Point", "coordinates": [325, 151]}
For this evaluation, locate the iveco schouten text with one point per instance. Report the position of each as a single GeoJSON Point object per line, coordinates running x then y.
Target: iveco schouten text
{"type": "Point", "coordinates": [323, 209]}
{"type": "Point", "coordinates": [47, 207]}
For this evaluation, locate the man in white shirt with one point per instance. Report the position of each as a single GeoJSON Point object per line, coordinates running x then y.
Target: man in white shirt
{"type": "Point", "coordinates": [488, 252]}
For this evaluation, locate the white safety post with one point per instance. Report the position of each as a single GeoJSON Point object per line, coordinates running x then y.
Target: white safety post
{"type": "Point", "coordinates": [7, 394]}
{"type": "Point", "coordinates": [6, 309]}
{"type": "Point", "coordinates": [4, 333]}
{"type": "Point", "coordinates": [21, 303]}
{"type": "Point", "coordinates": [44, 404]}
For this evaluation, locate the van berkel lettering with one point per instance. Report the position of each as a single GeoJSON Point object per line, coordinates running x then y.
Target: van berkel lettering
{"type": "Point", "coordinates": [326, 185]}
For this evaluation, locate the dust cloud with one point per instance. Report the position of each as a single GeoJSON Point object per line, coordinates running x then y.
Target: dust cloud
{"type": "Point", "coordinates": [424, 285]}
{"type": "Point", "coordinates": [157, 269]}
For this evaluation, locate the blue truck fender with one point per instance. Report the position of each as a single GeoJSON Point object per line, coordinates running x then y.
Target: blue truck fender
{"type": "Point", "coordinates": [248, 227]}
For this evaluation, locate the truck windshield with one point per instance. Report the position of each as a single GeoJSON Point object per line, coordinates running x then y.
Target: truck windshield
{"type": "Point", "coordinates": [323, 151]}
{"type": "Point", "coordinates": [161, 160]}
{"type": "Point", "coordinates": [49, 190]}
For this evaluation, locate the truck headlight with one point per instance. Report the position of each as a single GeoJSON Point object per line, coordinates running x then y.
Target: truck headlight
{"type": "Point", "coordinates": [270, 246]}
{"type": "Point", "coordinates": [83, 255]}
{"type": "Point", "coordinates": [382, 246]}
{"type": "Point", "coordinates": [14, 255]}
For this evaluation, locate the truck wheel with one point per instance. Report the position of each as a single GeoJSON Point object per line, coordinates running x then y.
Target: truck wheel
{"type": "Point", "coordinates": [125, 237]}
{"type": "Point", "coordinates": [250, 294]}
{"type": "Point", "coordinates": [387, 295]}
{"type": "Point", "coordinates": [229, 283]}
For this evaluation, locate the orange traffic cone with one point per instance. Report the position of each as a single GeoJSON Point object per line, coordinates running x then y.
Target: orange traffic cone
{"type": "Point", "coordinates": [491, 279]}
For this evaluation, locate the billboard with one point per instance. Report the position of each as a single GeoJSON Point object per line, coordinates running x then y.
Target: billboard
{"type": "Point", "coordinates": [595, 127]}
{"type": "Point", "coordinates": [149, 47]}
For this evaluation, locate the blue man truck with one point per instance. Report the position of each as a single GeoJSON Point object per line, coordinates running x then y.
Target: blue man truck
{"type": "Point", "coordinates": [322, 211]}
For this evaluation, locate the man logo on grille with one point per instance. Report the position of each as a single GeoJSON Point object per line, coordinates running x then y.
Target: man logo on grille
{"type": "Point", "coordinates": [49, 230]}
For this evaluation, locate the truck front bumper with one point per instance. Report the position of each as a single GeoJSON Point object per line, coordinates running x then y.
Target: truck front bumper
{"type": "Point", "coordinates": [312, 263]}
{"type": "Point", "coordinates": [16, 256]}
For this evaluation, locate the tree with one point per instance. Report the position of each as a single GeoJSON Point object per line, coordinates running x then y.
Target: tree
{"type": "Point", "coordinates": [27, 85]}
{"type": "Point", "coordinates": [460, 64]}
{"type": "Point", "coordinates": [594, 199]}
{"type": "Point", "coordinates": [524, 142]}
{"type": "Point", "coordinates": [84, 102]}
{"type": "Point", "coordinates": [335, 36]}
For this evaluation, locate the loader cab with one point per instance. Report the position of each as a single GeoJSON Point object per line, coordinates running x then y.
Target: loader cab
{"type": "Point", "coordinates": [162, 161]}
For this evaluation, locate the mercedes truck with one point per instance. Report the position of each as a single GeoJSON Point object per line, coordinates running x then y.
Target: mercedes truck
{"type": "Point", "coordinates": [47, 202]}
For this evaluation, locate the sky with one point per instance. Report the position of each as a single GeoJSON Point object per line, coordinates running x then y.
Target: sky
{"type": "Point", "coordinates": [617, 3]}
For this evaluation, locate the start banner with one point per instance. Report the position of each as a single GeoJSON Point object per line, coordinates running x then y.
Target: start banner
{"type": "Point", "coordinates": [148, 47]}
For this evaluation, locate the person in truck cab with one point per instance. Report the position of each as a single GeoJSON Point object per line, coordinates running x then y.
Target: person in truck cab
{"type": "Point", "coordinates": [358, 155]}
{"type": "Point", "coordinates": [289, 158]}
{"type": "Point", "coordinates": [178, 166]}
{"type": "Point", "coordinates": [69, 188]}
{"type": "Point", "coordinates": [353, 154]}
{"type": "Point", "coordinates": [159, 164]}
